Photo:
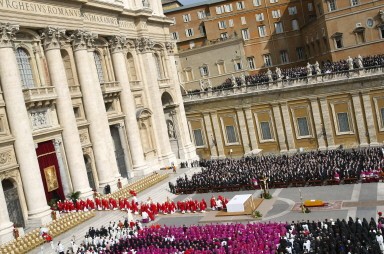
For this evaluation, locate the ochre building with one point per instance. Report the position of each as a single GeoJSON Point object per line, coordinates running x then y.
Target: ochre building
{"type": "Point", "coordinates": [89, 95]}
{"type": "Point", "coordinates": [322, 112]}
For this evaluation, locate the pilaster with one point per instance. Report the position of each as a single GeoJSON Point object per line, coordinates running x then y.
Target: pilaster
{"type": "Point", "coordinates": [279, 128]}
{"type": "Point", "coordinates": [210, 137]}
{"type": "Point", "coordinates": [327, 123]}
{"type": "Point", "coordinates": [251, 128]}
{"type": "Point", "coordinates": [217, 133]}
{"type": "Point", "coordinates": [243, 131]}
{"type": "Point", "coordinates": [288, 127]}
{"type": "Point", "coordinates": [318, 124]}
{"type": "Point", "coordinates": [370, 120]}
{"type": "Point", "coordinates": [360, 122]}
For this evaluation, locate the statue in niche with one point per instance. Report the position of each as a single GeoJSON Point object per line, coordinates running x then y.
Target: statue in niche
{"type": "Point", "coordinates": [171, 130]}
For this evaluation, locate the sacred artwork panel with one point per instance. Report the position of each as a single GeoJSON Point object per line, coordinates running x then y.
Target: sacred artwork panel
{"type": "Point", "coordinates": [51, 178]}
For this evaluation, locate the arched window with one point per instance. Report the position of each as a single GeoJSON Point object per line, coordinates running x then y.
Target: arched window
{"type": "Point", "coordinates": [99, 66]}
{"type": "Point", "coordinates": [25, 69]}
{"type": "Point", "coordinates": [68, 67]}
{"type": "Point", "coordinates": [159, 67]}
{"type": "Point", "coordinates": [131, 67]}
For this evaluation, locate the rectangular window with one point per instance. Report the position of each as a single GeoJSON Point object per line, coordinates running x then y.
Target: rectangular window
{"type": "Point", "coordinates": [276, 14]}
{"type": "Point", "coordinates": [76, 111]}
{"type": "Point", "coordinates": [262, 31]}
{"type": "Point", "coordinates": [199, 141]}
{"type": "Point", "coordinates": [354, 2]}
{"type": "Point", "coordinates": [295, 25]}
{"type": "Point", "coordinates": [201, 15]}
{"type": "Point", "coordinates": [245, 34]}
{"type": "Point", "coordinates": [267, 60]}
{"type": "Point", "coordinates": [279, 27]}
{"type": "Point", "coordinates": [220, 67]}
{"type": "Point", "coordinates": [273, 1]}
{"type": "Point", "coordinates": [224, 36]}
{"type": "Point", "coordinates": [174, 21]}
{"type": "Point", "coordinates": [243, 21]}
{"type": "Point", "coordinates": [260, 17]}
{"type": "Point", "coordinates": [381, 28]}
{"type": "Point", "coordinates": [320, 9]}
{"type": "Point", "coordinates": [284, 56]}
{"type": "Point", "coordinates": [339, 42]}
{"type": "Point", "coordinates": [302, 124]}
{"type": "Point", "coordinates": [251, 63]}
{"type": "Point", "coordinates": [332, 5]}
{"type": "Point", "coordinates": [240, 5]}
{"type": "Point", "coordinates": [300, 53]}
{"type": "Point", "coordinates": [292, 10]}
{"type": "Point", "coordinates": [238, 66]}
{"type": "Point", "coordinates": [228, 8]}
{"type": "Point", "coordinates": [189, 32]}
{"type": "Point", "coordinates": [222, 24]}
{"type": "Point", "coordinates": [343, 122]}
{"type": "Point", "coordinates": [219, 9]}
{"type": "Point", "coordinates": [230, 23]}
{"type": "Point", "coordinates": [256, 2]}
{"type": "Point", "coordinates": [187, 17]}
{"type": "Point", "coordinates": [175, 35]}
{"type": "Point", "coordinates": [265, 131]}
{"type": "Point", "coordinates": [204, 71]}
{"type": "Point", "coordinates": [231, 134]}
{"type": "Point", "coordinates": [310, 7]}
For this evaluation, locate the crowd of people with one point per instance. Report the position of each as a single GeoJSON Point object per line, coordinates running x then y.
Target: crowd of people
{"type": "Point", "coordinates": [303, 71]}
{"type": "Point", "coordinates": [336, 165]}
{"type": "Point", "coordinates": [329, 236]}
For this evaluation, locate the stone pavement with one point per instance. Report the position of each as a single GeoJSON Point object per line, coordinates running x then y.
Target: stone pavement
{"type": "Point", "coordinates": [357, 200]}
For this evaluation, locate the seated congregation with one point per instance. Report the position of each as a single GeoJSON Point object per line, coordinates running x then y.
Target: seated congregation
{"type": "Point", "coordinates": [281, 171]}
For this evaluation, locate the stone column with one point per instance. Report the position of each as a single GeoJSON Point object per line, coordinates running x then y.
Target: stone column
{"type": "Point", "coordinates": [65, 179]}
{"type": "Point", "coordinates": [20, 126]}
{"type": "Point", "coordinates": [327, 123]}
{"type": "Point", "coordinates": [370, 120]}
{"type": "Point", "coordinates": [128, 105]}
{"type": "Point", "coordinates": [217, 133]}
{"type": "Point", "coordinates": [243, 131]}
{"type": "Point", "coordinates": [71, 138]}
{"type": "Point", "coordinates": [6, 226]}
{"type": "Point", "coordinates": [188, 146]}
{"type": "Point", "coordinates": [288, 127]}
{"type": "Point", "coordinates": [97, 120]}
{"type": "Point", "coordinates": [279, 128]}
{"type": "Point", "coordinates": [210, 138]}
{"type": "Point", "coordinates": [144, 47]}
{"type": "Point", "coordinates": [319, 126]}
{"type": "Point", "coordinates": [251, 128]}
{"type": "Point", "coordinates": [359, 116]}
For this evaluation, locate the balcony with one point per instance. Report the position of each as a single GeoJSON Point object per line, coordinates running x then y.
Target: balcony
{"type": "Point", "coordinates": [324, 79]}
{"type": "Point", "coordinates": [110, 89]}
{"type": "Point", "coordinates": [39, 96]}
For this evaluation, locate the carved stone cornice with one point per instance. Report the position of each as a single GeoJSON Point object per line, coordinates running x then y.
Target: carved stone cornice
{"type": "Point", "coordinates": [170, 46]}
{"type": "Point", "coordinates": [144, 45]}
{"type": "Point", "coordinates": [7, 34]}
{"type": "Point", "coordinates": [117, 43]}
{"type": "Point", "coordinates": [51, 37]}
{"type": "Point", "coordinates": [82, 40]}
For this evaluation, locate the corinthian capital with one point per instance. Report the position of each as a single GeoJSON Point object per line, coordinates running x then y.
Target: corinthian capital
{"type": "Point", "coordinates": [81, 40]}
{"type": "Point", "coordinates": [7, 34]}
{"type": "Point", "coordinates": [117, 43]}
{"type": "Point", "coordinates": [144, 44]}
{"type": "Point", "coordinates": [51, 37]}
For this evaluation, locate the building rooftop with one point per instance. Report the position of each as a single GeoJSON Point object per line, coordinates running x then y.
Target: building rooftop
{"type": "Point", "coordinates": [207, 2]}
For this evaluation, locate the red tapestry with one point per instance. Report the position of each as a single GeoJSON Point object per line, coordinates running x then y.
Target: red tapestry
{"type": "Point", "coordinates": [49, 169]}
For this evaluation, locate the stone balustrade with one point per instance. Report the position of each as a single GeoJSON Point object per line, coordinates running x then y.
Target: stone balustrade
{"type": "Point", "coordinates": [110, 88]}
{"type": "Point", "coordinates": [321, 79]}
{"type": "Point", "coordinates": [39, 95]}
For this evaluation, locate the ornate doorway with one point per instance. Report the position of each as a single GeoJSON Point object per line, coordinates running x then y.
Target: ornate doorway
{"type": "Point", "coordinates": [119, 151]}
{"type": "Point", "coordinates": [13, 203]}
{"type": "Point", "coordinates": [170, 114]}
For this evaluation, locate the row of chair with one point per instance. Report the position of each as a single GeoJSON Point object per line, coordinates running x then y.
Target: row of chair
{"type": "Point", "coordinates": [138, 186]}
{"type": "Point", "coordinates": [34, 239]}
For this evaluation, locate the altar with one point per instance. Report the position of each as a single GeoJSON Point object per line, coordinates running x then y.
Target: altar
{"type": "Point", "coordinates": [238, 203]}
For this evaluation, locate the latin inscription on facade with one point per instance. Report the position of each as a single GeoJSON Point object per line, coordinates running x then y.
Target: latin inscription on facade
{"type": "Point", "coordinates": [47, 9]}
